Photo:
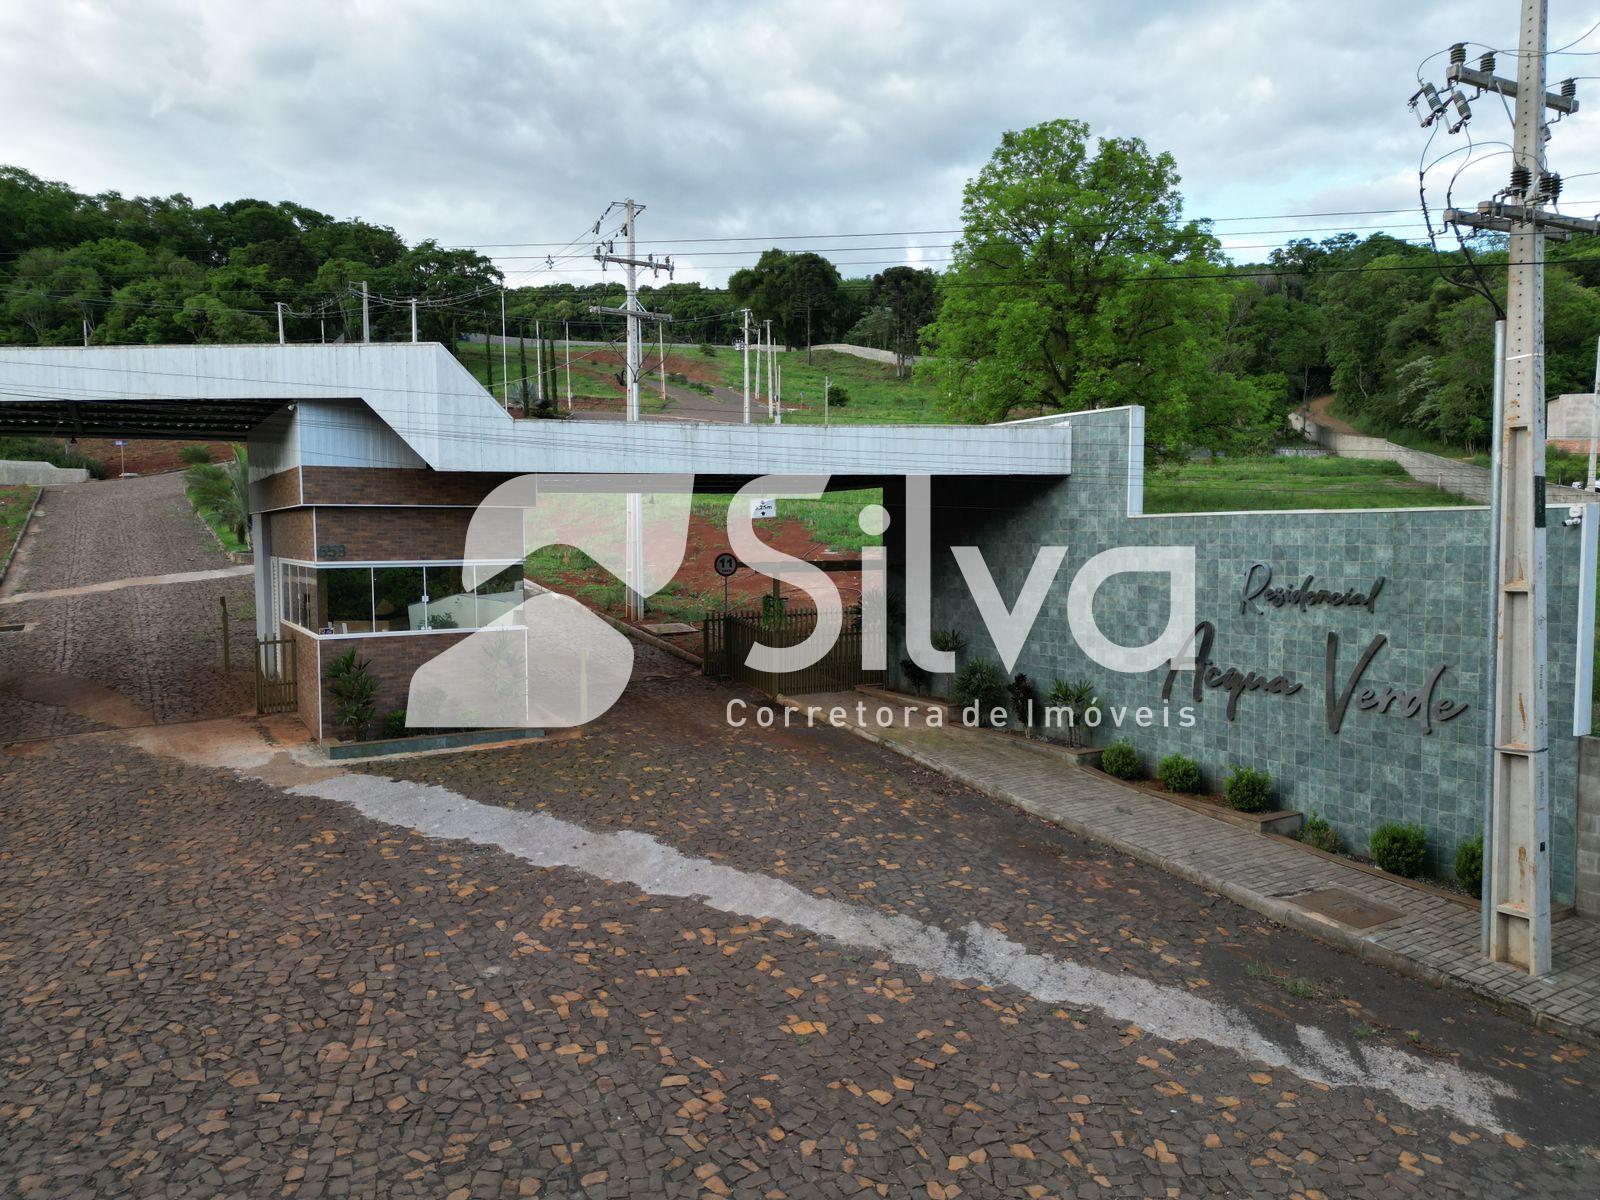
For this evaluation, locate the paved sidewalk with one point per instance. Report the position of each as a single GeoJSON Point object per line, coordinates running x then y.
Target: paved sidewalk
{"type": "Point", "coordinates": [1436, 939]}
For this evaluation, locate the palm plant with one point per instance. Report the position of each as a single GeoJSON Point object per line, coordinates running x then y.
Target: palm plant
{"type": "Point", "coordinates": [223, 490]}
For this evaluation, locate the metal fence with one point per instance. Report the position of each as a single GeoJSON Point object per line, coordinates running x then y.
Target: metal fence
{"type": "Point", "coordinates": [726, 639]}
{"type": "Point", "coordinates": [277, 675]}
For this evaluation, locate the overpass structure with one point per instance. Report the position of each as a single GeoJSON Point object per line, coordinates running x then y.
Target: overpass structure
{"type": "Point", "coordinates": [368, 464]}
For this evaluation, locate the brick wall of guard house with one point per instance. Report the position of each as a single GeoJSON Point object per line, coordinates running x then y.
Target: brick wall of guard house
{"type": "Point", "coordinates": [289, 533]}
{"type": "Point", "coordinates": [393, 660]}
{"type": "Point", "coordinates": [397, 485]}
{"type": "Point", "coordinates": [306, 693]}
{"type": "Point", "coordinates": [281, 490]}
{"type": "Point", "coordinates": [401, 534]}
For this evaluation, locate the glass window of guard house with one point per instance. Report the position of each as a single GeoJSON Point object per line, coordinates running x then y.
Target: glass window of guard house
{"type": "Point", "coordinates": [451, 604]}
{"type": "Point", "coordinates": [347, 600]}
{"type": "Point", "coordinates": [498, 594]}
{"type": "Point", "coordinates": [301, 604]}
{"type": "Point", "coordinates": [398, 599]}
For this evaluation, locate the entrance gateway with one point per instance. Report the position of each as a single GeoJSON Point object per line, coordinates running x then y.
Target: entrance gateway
{"type": "Point", "coordinates": [368, 461]}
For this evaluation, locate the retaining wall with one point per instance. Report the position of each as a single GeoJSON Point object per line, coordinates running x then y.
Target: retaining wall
{"type": "Point", "coordinates": [1461, 479]}
{"type": "Point", "coordinates": [40, 474]}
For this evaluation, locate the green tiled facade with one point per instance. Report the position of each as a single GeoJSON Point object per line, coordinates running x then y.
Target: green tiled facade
{"type": "Point", "coordinates": [1433, 608]}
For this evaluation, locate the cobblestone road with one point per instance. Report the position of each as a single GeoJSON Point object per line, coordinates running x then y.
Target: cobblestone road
{"type": "Point", "coordinates": [131, 656]}
{"type": "Point", "coordinates": [211, 986]}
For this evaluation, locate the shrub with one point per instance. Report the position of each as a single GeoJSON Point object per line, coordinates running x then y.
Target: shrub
{"type": "Point", "coordinates": [838, 397]}
{"type": "Point", "coordinates": [1077, 696]}
{"type": "Point", "coordinates": [708, 349]}
{"type": "Point", "coordinates": [354, 691]}
{"type": "Point", "coordinates": [948, 639]}
{"type": "Point", "coordinates": [1021, 691]}
{"type": "Point", "coordinates": [1317, 832]}
{"type": "Point", "coordinates": [1179, 774]}
{"type": "Point", "coordinates": [394, 724]}
{"type": "Point", "coordinates": [1469, 865]}
{"type": "Point", "coordinates": [1249, 790]}
{"type": "Point", "coordinates": [1400, 848]}
{"type": "Point", "coordinates": [193, 455]}
{"type": "Point", "coordinates": [1121, 760]}
{"type": "Point", "coordinates": [979, 683]}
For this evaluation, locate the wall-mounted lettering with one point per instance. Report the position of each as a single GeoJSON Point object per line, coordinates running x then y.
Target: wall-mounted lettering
{"type": "Point", "coordinates": [1258, 587]}
{"type": "Point", "coordinates": [330, 550]}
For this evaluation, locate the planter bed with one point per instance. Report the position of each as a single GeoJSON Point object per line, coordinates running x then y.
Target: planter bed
{"type": "Point", "coordinates": [419, 743]}
{"type": "Point", "coordinates": [1284, 822]}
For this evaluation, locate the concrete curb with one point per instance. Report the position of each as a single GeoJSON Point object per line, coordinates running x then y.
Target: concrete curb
{"type": "Point", "coordinates": [1268, 906]}
{"type": "Point", "coordinates": [650, 639]}
{"type": "Point", "coordinates": [27, 523]}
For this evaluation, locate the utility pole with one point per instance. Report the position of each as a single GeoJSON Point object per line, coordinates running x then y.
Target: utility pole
{"type": "Point", "coordinates": [661, 349]}
{"type": "Point", "coordinates": [279, 306]}
{"type": "Point", "coordinates": [772, 375]}
{"type": "Point", "coordinates": [538, 361]}
{"type": "Point", "coordinates": [566, 345]}
{"type": "Point", "coordinates": [413, 319]}
{"type": "Point", "coordinates": [825, 398]}
{"type": "Point", "coordinates": [505, 373]}
{"type": "Point", "coordinates": [1517, 852]}
{"type": "Point", "coordinates": [635, 315]}
{"type": "Point", "coordinates": [745, 343]}
{"type": "Point", "coordinates": [366, 321]}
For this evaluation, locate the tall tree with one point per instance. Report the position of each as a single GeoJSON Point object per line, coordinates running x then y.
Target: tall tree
{"type": "Point", "coordinates": [911, 298]}
{"type": "Point", "coordinates": [1078, 284]}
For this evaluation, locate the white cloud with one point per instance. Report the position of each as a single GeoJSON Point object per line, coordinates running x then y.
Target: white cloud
{"type": "Point", "coordinates": [486, 123]}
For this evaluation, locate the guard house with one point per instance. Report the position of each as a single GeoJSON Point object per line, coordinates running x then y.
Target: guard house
{"type": "Point", "coordinates": [369, 461]}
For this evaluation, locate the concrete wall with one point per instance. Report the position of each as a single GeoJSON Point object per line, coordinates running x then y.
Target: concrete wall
{"type": "Point", "coordinates": [1567, 417]}
{"type": "Point", "coordinates": [40, 474]}
{"type": "Point", "coordinates": [1432, 610]}
{"type": "Point", "coordinates": [1462, 479]}
{"type": "Point", "coordinates": [1587, 884]}
{"type": "Point", "coordinates": [870, 353]}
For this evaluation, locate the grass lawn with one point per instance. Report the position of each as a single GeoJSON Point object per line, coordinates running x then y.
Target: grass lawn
{"type": "Point", "coordinates": [1247, 484]}
{"type": "Point", "coordinates": [15, 503]}
{"type": "Point", "coordinates": [876, 396]}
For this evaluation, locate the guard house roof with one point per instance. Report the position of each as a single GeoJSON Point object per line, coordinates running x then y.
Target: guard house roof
{"type": "Point", "coordinates": [414, 404]}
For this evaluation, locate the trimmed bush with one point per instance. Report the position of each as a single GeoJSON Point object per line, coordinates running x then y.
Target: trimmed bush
{"type": "Point", "coordinates": [1249, 790]}
{"type": "Point", "coordinates": [1469, 865]}
{"type": "Point", "coordinates": [1400, 848]}
{"type": "Point", "coordinates": [980, 683]}
{"type": "Point", "coordinates": [1121, 760]}
{"type": "Point", "coordinates": [394, 723]}
{"type": "Point", "coordinates": [1319, 833]}
{"type": "Point", "coordinates": [1178, 774]}
{"type": "Point", "coordinates": [838, 397]}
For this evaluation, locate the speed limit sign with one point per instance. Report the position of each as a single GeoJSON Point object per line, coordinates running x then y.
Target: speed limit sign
{"type": "Point", "coordinates": [726, 564]}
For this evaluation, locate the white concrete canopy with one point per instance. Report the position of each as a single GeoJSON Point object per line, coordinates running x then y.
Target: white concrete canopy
{"type": "Point", "coordinates": [442, 418]}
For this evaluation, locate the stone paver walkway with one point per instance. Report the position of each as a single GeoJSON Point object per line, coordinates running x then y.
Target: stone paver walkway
{"type": "Point", "coordinates": [1436, 939]}
{"type": "Point", "coordinates": [117, 583]}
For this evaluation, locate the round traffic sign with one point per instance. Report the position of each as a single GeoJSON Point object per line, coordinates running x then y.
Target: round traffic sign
{"type": "Point", "coordinates": [726, 564]}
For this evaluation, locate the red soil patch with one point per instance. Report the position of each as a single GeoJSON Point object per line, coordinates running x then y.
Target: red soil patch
{"type": "Point", "coordinates": [146, 457]}
{"type": "Point", "coordinates": [698, 576]}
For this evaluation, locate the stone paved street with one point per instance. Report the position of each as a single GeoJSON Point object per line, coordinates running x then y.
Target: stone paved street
{"type": "Point", "coordinates": [131, 656]}
{"type": "Point", "coordinates": [667, 957]}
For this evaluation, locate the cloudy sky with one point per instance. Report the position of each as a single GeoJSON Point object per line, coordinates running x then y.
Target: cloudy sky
{"type": "Point", "coordinates": [489, 124]}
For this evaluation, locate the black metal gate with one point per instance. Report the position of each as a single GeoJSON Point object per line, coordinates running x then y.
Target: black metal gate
{"type": "Point", "coordinates": [277, 688]}
{"type": "Point", "coordinates": [726, 639]}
